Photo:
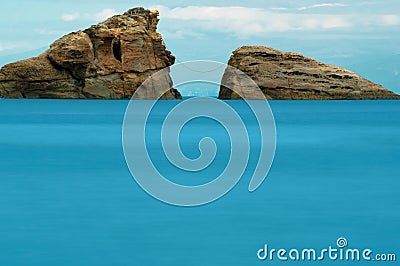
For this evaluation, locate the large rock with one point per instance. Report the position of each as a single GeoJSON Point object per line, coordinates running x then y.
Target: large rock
{"type": "Point", "coordinates": [282, 75]}
{"type": "Point", "coordinates": [107, 61]}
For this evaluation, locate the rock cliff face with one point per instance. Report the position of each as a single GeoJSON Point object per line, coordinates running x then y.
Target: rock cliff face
{"type": "Point", "coordinates": [106, 61]}
{"type": "Point", "coordinates": [282, 75]}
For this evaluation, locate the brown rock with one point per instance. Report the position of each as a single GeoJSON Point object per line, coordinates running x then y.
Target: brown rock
{"type": "Point", "coordinates": [286, 76]}
{"type": "Point", "coordinates": [106, 61]}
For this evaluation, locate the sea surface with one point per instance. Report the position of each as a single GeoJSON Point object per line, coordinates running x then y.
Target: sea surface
{"type": "Point", "coordinates": [67, 196]}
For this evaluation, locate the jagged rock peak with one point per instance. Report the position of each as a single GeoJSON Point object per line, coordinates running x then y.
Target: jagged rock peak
{"type": "Point", "coordinates": [108, 60]}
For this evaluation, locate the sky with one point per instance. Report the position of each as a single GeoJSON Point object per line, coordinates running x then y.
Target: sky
{"type": "Point", "coordinates": [363, 36]}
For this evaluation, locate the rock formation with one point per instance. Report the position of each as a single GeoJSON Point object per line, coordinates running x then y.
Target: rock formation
{"type": "Point", "coordinates": [106, 61]}
{"type": "Point", "coordinates": [283, 75]}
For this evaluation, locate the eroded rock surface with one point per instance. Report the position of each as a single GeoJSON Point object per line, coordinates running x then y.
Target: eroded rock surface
{"type": "Point", "coordinates": [286, 75]}
{"type": "Point", "coordinates": [106, 61]}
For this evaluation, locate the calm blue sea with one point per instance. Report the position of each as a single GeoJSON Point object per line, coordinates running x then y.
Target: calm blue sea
{"type": "Point", "coordinates": [67, 196]}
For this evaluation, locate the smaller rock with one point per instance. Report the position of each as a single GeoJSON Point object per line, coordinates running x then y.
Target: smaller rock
{"type": "Point", "coordinates": [287, 76]}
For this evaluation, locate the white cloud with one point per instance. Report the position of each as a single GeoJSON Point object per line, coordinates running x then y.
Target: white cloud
{"type": "Point", "coordinates": [379, 20]}
{"type": "Point", "coordinates": [390, 20]}
{"type": "Point", "coordinates": [70, 17]}
{"type": "Point", "coordinates": [51, 32]}
{"type": "Point", "coordinates": [181, 34]}
{"type": "Point", "coordinates": [178, 34]}
{"type": "Point", "coordinates": [278, 8]}
{"type": "Point", "coordinates": [100, 16]}
{"type": "Point", "coordinates": [4, 47]}
{"type": "Point", "coordinates": [322, 5]}
{"type": "Point", "coordinates": [207, 12]}
{"type": "Point", "coordinates": [245, 22]}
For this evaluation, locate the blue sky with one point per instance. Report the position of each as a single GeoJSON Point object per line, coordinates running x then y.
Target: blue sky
{"type": "Point", "coordinates": [363, 36]}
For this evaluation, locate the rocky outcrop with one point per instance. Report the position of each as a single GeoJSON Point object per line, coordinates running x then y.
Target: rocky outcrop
{"type": "Point", "coordinates": [106, 61]}
{"type": "Point", "coordinates": [284, 75]}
